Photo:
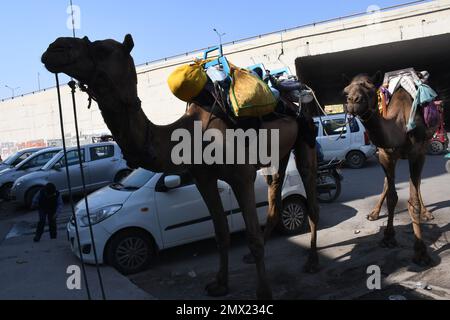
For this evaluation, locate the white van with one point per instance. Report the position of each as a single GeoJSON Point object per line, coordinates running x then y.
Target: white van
{"type": "Point", "coordinates": [344, 138]}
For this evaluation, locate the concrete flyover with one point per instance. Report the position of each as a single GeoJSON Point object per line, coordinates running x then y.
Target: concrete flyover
{"type": "Point", "coordinates": [412, 35]}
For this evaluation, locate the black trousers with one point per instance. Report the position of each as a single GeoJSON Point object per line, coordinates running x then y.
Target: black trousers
{"type": "Point", "coordinates": [43, 216]}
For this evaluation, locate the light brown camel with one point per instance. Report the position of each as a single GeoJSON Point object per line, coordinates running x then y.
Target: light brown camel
{"type": "Point", "coordinates": [390, 135]}
{"type": "Point", "coordinates": [107, 69]}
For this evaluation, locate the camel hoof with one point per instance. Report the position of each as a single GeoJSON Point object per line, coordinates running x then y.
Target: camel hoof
{"type": "Point", "coordinates": [388, 242]}
{"type": "Point", "coordinates": [249, 259]}
{"type": "Point", "coordinates": [312, 265]}
{"type": "Point", "coordinates": [422, 259]}
{"type": "Point", "coordinates": [216, 290]}
{"type": "Point", "coordinates": [427, 216]}
{"type": "Point", "coordinates": [374, 216]}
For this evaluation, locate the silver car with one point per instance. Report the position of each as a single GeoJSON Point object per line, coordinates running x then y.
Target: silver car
{"type": "Point", "coordinates": [103, 164]}
{"type": "Point", "coordinates": [17, 158]}
{"type": "Point", "coordinates": [32, 163]}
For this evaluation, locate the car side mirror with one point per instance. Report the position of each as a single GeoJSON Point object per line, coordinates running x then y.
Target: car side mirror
{"type": "Point", "coordinates": [57, 167]}
{"type": "Point", "coordinates": [172, 182]}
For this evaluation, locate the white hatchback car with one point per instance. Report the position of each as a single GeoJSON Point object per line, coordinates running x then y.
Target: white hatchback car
{"type": "Point", "coordinates": [148, 212]}
{"type": "Point", "coordinates": [344, 139]}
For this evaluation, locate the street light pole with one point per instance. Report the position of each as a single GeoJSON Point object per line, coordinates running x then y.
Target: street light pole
{"type": "Point", "coordinates": [13, 90]}
{"type": "Point", "coordinates": [220, 35]}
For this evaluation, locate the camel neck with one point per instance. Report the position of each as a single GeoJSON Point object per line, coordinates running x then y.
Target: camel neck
{"type": "Point", "coordinates": [384, 133]}
{"type": "Point", "coordinates": [133, 132]}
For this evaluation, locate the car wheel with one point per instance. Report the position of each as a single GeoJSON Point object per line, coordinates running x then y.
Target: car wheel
{"type": "Point", "coordinates": [131, 251]}
{"type": "Point", "coordinates": [436, 148]}
{"type": "Point", "coordinates": [293, 216]}
{"type": "Point", "coordinates": [122, 175]}
{"type": "Point", "coordinates": [447, 166]}
{"type": "Point", "coordinates": [29, 196]}
{"type": "Point", "coordinates": [5, 190]}
{"type": "Point", "coordinates": [356, 159]}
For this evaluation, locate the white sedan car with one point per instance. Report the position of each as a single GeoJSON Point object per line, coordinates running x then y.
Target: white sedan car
{"type": "Point", "coordinates": [148, 212]}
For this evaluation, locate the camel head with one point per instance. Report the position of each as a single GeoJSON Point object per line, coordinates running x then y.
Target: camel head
{"type": "Point", "coordinates": [106, 66]}
{"type": "Point", "coordinates": [361, 94]}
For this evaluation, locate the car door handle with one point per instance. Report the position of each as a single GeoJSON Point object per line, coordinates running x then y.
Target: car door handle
{"type": "Point", "coordinates": [114, 160]}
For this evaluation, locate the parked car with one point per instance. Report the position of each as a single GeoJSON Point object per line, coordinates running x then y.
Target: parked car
{"type": "Point", "coordinates": [32, 163]}
{"type": "Point", "coordinates": [17, 158]}
{"type": "Point", "coordinates": [148, 212]}
{"type": "Point", "coordinates": [344, 139]}
{"type": "Point", "coordinates": [103, 163]}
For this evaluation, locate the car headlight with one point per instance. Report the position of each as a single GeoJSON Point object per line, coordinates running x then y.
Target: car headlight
{"type": "Point", "coordinates": [17, 184]}
{"type": "Point", "coordinates": [99, 215]}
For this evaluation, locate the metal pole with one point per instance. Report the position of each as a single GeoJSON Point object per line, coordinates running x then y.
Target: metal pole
{"type": "Point", "coordinates": [70, 187]}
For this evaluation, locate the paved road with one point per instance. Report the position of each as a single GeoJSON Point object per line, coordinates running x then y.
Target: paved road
{"type": "Point", "coordinates": [348, 245]}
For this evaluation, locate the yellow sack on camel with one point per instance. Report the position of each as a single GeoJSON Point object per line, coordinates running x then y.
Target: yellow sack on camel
{"type": "Point", "coordinates": [188, 81]}
{"type": "Point", "coordinates": [249, 95]}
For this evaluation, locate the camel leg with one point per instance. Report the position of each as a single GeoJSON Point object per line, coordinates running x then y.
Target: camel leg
{"type": "Point", "coordinates": [388, 162]}
{"type": "Point", "coordinates": [210, 193]}
{"type": "Point", "coordinates": [421, 256]}
{"type": "Point", "coordinates": [245, 194]}
{"type": "Point", "coordinates": [375, 214]}
{"type": "Point", "coordinates": [275, 189]}
{"type": "Point", "coordinates": [426, 215]}
{"type": "Point", "coordinates": [306, 161]}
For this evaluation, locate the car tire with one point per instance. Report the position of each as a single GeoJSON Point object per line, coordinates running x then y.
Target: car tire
{"type": "Point", "coordinates": [355, 159]}
{"type": "Point", "coordinates": [447, 166]}
{"type": "Point", "coordinates": [121, 175]}
{"type": "Point", "coordinates": [293, 216]}
{"type": "Point", "coordinates": [436, 148]}
{"type": "Point", "coordinates": [29, 196]}
{"type": "Point", "coordinates": [5, 190]}
{"type": "Point", "coordinates": [131, 251]}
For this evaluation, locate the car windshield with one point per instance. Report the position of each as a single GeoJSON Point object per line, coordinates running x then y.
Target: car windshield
{"type": "Point", "coordinates": [136, 180]}
{"type": "Point", "coordinates": [9, 160]}
{"type": "Point", "coordinates": [37, 161]}
{"type": "Point", "coordinates": [16, 159]}
{"type": "Point", "coordinates": [52, 162]}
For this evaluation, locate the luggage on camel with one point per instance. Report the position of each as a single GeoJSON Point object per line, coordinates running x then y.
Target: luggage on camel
{"type": "Point", "coordinates": [416, 85]}
{"type": "Point", "coordinates": [188, 81]}
{"type": "Point", "coordinates": [250, 96]}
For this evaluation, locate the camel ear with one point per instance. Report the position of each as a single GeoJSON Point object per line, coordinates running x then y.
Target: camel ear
{"type": "Point", "coordinates": [346, 79]}
{"type": "Point", "coordinates": [86, 39]}
{"type": "Point", "coordinates": [377, 78]}
{"type": "Point", "coordinates": [128, 43]}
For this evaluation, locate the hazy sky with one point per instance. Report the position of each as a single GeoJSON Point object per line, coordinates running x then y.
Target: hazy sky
{"type": "Point", "coordinates": [160, 28]}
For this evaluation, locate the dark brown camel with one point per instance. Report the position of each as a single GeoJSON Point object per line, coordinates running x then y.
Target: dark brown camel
{"type": "Point", "coordinates": [390, 135]}
{"type": "Point", "coordinates": [107, 69]}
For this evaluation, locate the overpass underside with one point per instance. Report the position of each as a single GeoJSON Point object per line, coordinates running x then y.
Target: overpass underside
{"type": "Point", "coordinates": [324, 72]}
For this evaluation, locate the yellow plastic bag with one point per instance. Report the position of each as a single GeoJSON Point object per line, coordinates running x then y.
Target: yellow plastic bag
{"type": "Point", "coordinates": [249, 95]}
{"type": "Point", "coordinates": [188, 81]}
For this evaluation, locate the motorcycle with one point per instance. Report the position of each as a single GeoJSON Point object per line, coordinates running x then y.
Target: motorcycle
{"type": "Point", "coordinates": [329, 180]}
